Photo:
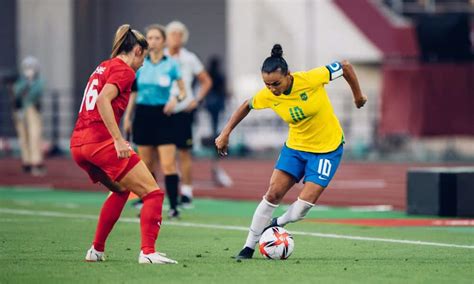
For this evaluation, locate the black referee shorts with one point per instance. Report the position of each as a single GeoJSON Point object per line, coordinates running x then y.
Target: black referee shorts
{"type": "Point", "coordinates": [151, 127]}
{"type": "Point", "coordinates": [182, 132]}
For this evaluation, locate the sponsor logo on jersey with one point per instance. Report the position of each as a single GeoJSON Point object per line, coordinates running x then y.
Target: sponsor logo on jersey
{"type": "Point", "coordinates": [304, 96]}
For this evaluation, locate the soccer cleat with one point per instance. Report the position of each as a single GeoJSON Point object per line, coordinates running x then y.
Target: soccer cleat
{"type": "Point", "coordinates": [273, 223]}
{"type": "Point", "coordinates": [245, 253]}
{"type": "Point", "coordinates": [186, 202]}
{"type": "Point", "coordinates": [94, 255]}
{"type": "Point", "coordinates": [155, 258]}
{"type": "Point", "coordinates": [173, 214]}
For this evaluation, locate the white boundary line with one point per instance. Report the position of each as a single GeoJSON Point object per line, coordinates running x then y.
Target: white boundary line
{"type": "Point", "coordinates": [233, 228]}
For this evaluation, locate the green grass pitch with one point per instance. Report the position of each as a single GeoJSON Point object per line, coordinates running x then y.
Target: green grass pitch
{"type": "Point", "coordinates": [44, 236]}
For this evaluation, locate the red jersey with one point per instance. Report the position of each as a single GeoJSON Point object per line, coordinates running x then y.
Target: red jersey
{"type": "Point", "coordinates": [89, 126]}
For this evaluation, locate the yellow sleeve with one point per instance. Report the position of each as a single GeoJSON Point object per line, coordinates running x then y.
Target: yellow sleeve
{"type": "Point", "coordinates": [317, 76]}
{"type": "Point", "coordinates": [259, 101]}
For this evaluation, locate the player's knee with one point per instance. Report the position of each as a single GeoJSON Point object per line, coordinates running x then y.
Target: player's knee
{"type": "Point", "coordinates": [273, 196]}
{"type": "Point", "coordinates": [145, 187]}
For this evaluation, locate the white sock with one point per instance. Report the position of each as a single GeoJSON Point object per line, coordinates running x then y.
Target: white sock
{"type": "Point", "coordinates": [260, 220]}
{"type": "Point", "coordinates": [187, 190]}
{"type": "Point", "coordinates": [295, 212]}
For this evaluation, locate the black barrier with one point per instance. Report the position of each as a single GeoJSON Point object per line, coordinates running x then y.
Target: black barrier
{"type": "Point", "coordinates": [444, 37]}
{"type": "Point", "coordinates": [441, 191]}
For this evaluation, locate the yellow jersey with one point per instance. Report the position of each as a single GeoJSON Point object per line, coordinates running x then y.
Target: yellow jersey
{"type": "Point", "coordinates": [313, 126]}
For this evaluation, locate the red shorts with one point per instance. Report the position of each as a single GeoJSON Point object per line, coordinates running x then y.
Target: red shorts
{"type": "Point", "coordinates": [99, 158]}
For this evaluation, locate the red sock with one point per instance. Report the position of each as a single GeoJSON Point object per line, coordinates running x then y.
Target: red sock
{"type": "Point", "coordinates": [109, 215]}
{"type": "Point", "coordinates": [150, 219]}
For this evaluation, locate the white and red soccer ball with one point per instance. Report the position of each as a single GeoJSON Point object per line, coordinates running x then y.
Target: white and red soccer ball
{"type": "Point", "coordinates": [276, 243]}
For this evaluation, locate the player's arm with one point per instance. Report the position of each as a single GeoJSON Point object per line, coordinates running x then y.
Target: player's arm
{"type": "Point", "coordinates": [222, 141]}
{"type": "Point", "coordinates": [205, 84]}
{"type": "Point", "coordinates": [351, 78]}
{"type": "Point", "coordinates": [104, 106]}
{"type": "Point", "coordinates": [182, 89]}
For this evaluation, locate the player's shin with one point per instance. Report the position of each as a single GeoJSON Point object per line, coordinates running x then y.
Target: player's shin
{"type": "Point", "coordinates": [295, 212]}
{"type": "Point", "coordinates": [150, 220]}
{"type": "Point", "coordinates": [109, 215]}
{"type": "Point", "coordinates": [260, 220]}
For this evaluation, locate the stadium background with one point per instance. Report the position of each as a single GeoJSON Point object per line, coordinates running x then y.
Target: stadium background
{"type": "Point", "coordinates": [420, 91]}
{"type": "Point", "coordinates": [413, 59]}
{"type": "Point", "coordinates": [70, 37]}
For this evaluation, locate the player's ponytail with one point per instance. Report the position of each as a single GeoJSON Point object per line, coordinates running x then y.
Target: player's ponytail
{"type": "Point", "coordinates": [277, 51]}
{"type": "Point", "coordinates": [125, 39]}
{"type": "Point", "coordinates": [275, 62]}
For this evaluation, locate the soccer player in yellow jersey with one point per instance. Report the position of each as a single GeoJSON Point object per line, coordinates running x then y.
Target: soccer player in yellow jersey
{"type": "Point", "coordinates": [315, 140]}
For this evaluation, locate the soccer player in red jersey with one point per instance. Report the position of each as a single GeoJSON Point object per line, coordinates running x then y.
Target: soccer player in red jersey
{"type": "Point", "coordinates": [98, 147]}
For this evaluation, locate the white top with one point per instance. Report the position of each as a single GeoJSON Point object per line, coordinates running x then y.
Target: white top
{"type": "Point", "coordinates": [190, 66]}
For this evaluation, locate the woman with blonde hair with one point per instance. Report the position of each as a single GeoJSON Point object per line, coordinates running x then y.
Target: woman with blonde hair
{"type": "Point", "coordinates": [98, 147]}
{"type": "Point", "coordinates": [191, 68]}
{"type": "Point", "coordinates": [151, 100]}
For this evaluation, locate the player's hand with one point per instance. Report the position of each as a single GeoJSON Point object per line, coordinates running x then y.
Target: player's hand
{"type": "Point", "coordinates": [123, 148]}
{"type": "Point", "coordinates": [222, 144]}
{"type": "Point", "coordinates": [360, 102]}
{"type": "Point", "coordinates": [127, 125]}
{"type": "Point", "coordinates": [192, 106]}
{"type": "Point", "coordinates": [170, 105]}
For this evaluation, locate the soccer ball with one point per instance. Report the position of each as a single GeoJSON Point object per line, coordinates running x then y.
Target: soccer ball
{"type": "Point", "coordinates": [276, 243]}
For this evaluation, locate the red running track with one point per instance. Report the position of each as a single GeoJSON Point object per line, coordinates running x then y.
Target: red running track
{"type": "Point", "coordinates": [356, 183]}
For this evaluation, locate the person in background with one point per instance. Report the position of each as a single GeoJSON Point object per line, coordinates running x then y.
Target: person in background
{"type": "Point", "coordinates": [151, 108]}
{"type": "Point", "coordinates": [215, 100]}
{"type": "Point", "coordinates": [27, 91]}
{"type": "Point", "coordinates": [215, 104]}
{"type": "Point", "coordinates": [191, 68]}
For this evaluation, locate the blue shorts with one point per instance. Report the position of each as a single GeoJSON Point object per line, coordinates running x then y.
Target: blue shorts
{"type": "Point", "coordinates": [314, 167]}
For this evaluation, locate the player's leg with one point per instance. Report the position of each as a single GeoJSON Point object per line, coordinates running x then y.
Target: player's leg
{"type": "Point", "coordinates": [186, 162]}
{"type": "Point", "coordinates": [184, 142]}
{"type": "Point", "coordinates": [280, 183]}
{"type": "Point", "coordinates": [132, 174]}
{"type": "Point", "coordinates": [298, 210]}
{"type": "Point", "coordinates": [141, 182]}
{"type": "Point", "coordinates": [112, 206]}
{"type": "Point", "coordinates": [319, 171]}
{"type": "Point", "coordinates": [146, 153]}
{"type": "Point", "coordinates": [288, 170]}
{"type": "Point", "coordinates": [167, 154]}
{"type": "Point", "coordinates": [109, 214]}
